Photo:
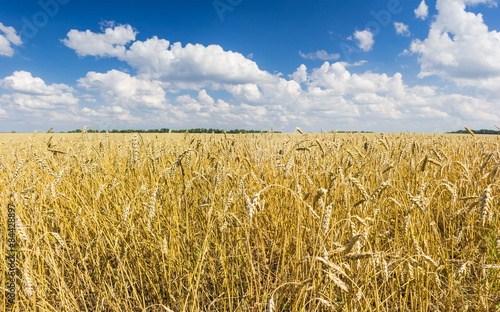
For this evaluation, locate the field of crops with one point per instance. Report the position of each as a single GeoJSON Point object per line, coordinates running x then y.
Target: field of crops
{"type": "Point", "coordinates": [253, 222]}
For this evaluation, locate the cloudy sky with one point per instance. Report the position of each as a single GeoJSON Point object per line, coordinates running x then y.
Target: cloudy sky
{"type": "Point", "coordinates": [383, 66]}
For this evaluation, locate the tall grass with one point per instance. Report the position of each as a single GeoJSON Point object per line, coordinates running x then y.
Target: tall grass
{"type": "Point", "coordinates": [303, 222]}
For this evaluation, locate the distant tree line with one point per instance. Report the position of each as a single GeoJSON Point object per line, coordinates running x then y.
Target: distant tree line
{"type": "Point", "coordinates": [167, 130]}
{"type": "Point", "coordinates": [343, 131]}
{"type": "Point", "coordinates": [481, 131]}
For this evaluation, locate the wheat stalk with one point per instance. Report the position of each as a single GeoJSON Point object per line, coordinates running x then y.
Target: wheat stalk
{"type": "Point", "coordinates": [470, 131]}
{"type": "Point", "coordinates": [485, 203]}
{"type": "Point", "coordinates": [126, 213]}
{"type": "Point", "coordinates": [270, 305]}
{"type": "Point", "coordinates": [21, 229]}
{"type": "Point", "coordinates": [135, 148]}
{"type": "Point", "coordinates": [42, 163]}
{"type": "Point", "coordinates": [152, 207]}
{"type": "Point", "coordinates": [250, 206]}
{"type": "Point", "coordinates": [59, 239]}
{"type": "Point", "coordinates": [99, 192]}
{"type": "Point", "coordinates": [360, 187]}
{"type": "Point", "coordinates": [351, 243]}
{"type": "Point", "coordinates": [16, 172]}
{"type": "Point", "coordinates": [326, 219]}
{"type": "Point", "coordinates": [27, 282]}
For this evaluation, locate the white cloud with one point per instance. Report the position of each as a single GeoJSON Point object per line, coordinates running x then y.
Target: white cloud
{"type": "Point", "coordinates": [120, 88]}
{"type": "Point", "coordinates": [204, 98]}
{"type": "Point", "coordinates": [357, 63]}
{"type": "Point", "coordinates": [194, 65]}
{"type": "Point", "coordinates": [300, 75]}
{"type": "Point", "coordinates": [8, 36]}
{"type": "Point", "coordinates": [188, 103]}
{"type": "Point", "coordinates": [460, 47]}
{"type": "Point", "coordinates": [29, 100]}
{"type": "Point", "coordinates": [107, 116]}
{"type": "Point", "coordinates": [320, 55]}
{"type": "Point", "coordinates": [404, 53]}
{"type": "Point", "coordinates": [402, 29]}
{"type": "Point", "coordinates": [340, 82]}
{"type": "Point", "coordinates": [365, 39]}
{"type": "Point", "coordinates": [30, 92]}
{"type": "Point", "coordinates": [279, 93]}
{"type": "Point", "coordinates": [422, 11]}
{"type": "Point", "coordinates": [248, 92]}
{"type": "Point", "coordinates": [24, 82]}
{"type": "Point", "coordinates": [370, 98]}
{"type": "Point", "coordinates": [108, 44]}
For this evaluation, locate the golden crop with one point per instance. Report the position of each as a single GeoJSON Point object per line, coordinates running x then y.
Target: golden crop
{"type": "Point", "coordinates": [266, 222]}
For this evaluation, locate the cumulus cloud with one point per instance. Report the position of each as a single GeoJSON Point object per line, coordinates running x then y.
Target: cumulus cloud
{"type": "Point", "coordinates": [188, 103]}
{"type": "Point", "coordinates": [320, 55]}
{"type": "Point", "coordinates": [24, 82]}
{"type": "Point", "coordinates": [402, 29]}
{"type": "Point", "coordinates": [422, 11]}
{"type": "Point", "coordinates": [108, 117]}
{"type": "Point", "coordinates": [204, 98]}
{"type": "Point", "coordinates": [28, 92]}
{"type": "Point", "coordinates": [460, 47]}
{"type": "Point", "coordinates": [120, 88]}
{"type": "Point", "coordinates": [159, 59]}
{"type": "Point", "coordinates": [30, 100]}
{"type": "Point", "coordinates": [3, 112]}
{"type": "Point", "coordinates": [8, 37]}
{"type": "Point", "coordinates": [108, 44]}
{"type": "Point", "coordinates": [369, 97]}
{"type": "Point", "coordinates": [339, 81]}
{"type": "Point", "coordinates": [300, 75]}
{"type": "Point", "coordinates": [248, 92]}
{"type": "Point", "coordinates": [192, 63]}
{"type": "Point", "coordinates": [365, 39]}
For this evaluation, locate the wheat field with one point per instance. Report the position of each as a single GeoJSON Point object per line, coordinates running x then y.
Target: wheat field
{"type": "Point", "coordinates": [253, 222]}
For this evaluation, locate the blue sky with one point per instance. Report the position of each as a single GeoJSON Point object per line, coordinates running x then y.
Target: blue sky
{"type": "Point", "coordinates": [391, 66]}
